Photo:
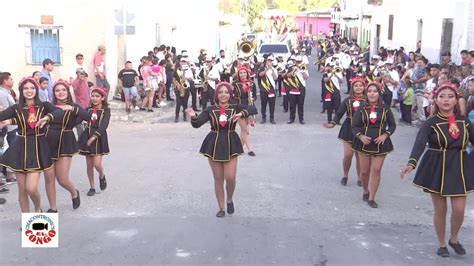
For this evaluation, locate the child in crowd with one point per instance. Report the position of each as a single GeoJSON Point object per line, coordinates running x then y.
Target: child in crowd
{"type": "Point", "coordinates": [406, 96]}
{"type": "Point", "coordinates": [43, 89]}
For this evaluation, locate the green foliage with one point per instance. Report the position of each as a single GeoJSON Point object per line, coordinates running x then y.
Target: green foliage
{"type": "Point", "coordinates": [255, 9]}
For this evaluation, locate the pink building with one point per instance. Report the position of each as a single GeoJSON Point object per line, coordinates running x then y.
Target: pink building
{"type": "Point", "coordinates": [313, 22]}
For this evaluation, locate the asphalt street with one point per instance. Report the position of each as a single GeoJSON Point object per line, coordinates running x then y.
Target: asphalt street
{"type": "Point", "coordinates": [159, 207]}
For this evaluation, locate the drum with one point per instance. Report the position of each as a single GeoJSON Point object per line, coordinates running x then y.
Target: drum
{"type": "Point", "coordinates": [346, 61]}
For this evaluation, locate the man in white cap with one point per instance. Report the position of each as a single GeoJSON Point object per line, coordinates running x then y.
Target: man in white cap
{"type": "Point", "coordinates": [268, 75]}
{"type": "Point", "coordinates": [211, 78]}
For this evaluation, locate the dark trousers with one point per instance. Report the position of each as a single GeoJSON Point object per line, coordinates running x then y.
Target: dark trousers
{"type": "Point", "coordinates": [387, 97]}
{"type": "Point", "coordinates": [285, 103]}
{"type": "Point", "coordinates": [264, 100]}
{"type": "Point", "coordinates": [296, 100]}
{"type": "Point", "coordinates": [169, 80]}
{"type": "Point", "coordinates": [207, 96]}
{"type": "Point", "coordinates": [193, 95]}
{"type": "Point", "coordinates": [333, 105]}
{"type": "Point", "coordinates": [11, 137]}
{"type": "Point", "coordinates": [279, 84]}
{"type": "Point", "coordinates": [348, 79]}
{"type": "Point", "coordinates": [181, 101]}
{"type": "Point", "coordinates": [406, 112]}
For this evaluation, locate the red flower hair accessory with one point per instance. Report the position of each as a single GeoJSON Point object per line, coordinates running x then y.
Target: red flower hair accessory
{"type": "Point", "coordinates": [376, 84]}
{"type": "Point", "coordinates": [100, 90]}
{"type": "Point", "coordinates": [357, 79]}
{"type": "Point", "coordinates": [61, 82]}
{"type": "Point", "coordinates": [28, 79]}
{"type": "Point", "coordinates": [447, 85]}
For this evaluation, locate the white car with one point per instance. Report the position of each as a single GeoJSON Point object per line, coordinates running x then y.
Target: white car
{"type": "Point", "coordinates": [276, 49]}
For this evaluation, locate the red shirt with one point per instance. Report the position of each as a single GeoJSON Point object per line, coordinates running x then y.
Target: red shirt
{"type": "Point", "coordinates": [81, 90]}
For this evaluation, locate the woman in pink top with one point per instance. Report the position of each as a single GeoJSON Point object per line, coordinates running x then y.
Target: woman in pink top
{"type": "Point", "coordinates": [145, 71]}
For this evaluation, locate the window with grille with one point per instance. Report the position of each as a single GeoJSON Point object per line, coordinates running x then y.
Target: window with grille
{"type": "Point", "coordinates": [41, 43]}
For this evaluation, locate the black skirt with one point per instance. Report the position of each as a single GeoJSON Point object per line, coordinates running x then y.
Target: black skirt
{"type": "Point", "coordinates": [61, 143]}
{"type": "Point", "coordinates": [372, 148]}
{"type": "Point", "coordinates": [345, 133]}
{"type": "Point", "coordinates": [439, 172]}
{"type": "Point", "coordinates": [223, 146]}
{"type": "Point", "coordinates": [37, 157]}
{"type": "Point", "coordinates": [100, 146]}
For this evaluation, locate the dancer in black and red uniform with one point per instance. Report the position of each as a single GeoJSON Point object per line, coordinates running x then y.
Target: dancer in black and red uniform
{"type": "Point", "coordinates": [222, 145]}
{"type": "Point", "coordinates": [93, 143]}
{"type": "Point", "coordinates": [372, 127]}
{"type": "Point", "coordinates": [63, 144]}
{"type": "Point", "coordinates": [349, 106]}
{"type": "Point", "coordinates": [29, 154]}
{"type": "Point", "coordinates": [245, 92]}
{"type": "Point", "coordinates": [444, 170]}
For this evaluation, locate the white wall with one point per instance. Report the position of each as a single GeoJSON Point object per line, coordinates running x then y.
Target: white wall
{"type": "Point", "coordinates": [406, 13]}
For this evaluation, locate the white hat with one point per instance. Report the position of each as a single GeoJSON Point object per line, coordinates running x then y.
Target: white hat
{"type": "Point", "coordinates": [240, 56]}
{"type": "Point", "coordinates": [376, 56]}
{"type": "Point", "coordinates": [292, 57]}
{"type": "Point", "coordinates": [290, 63]}
{"type": "Point", "coordinates": [270, 57]}
{"type": "Point", "coordinates": [183, 59]}
{"type": "Point", "coordinates": [208, 59]}
{"type": "Point", "coordinates": [298, 58]}
{"type": "Point", "coordinates": [184, 54]}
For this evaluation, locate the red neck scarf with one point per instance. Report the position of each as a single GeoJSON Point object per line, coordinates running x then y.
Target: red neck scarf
{"type": "Point", "coordinates": [372, 115]}
{"type": "Point", "coordinates": [356, 103]}
{"type": "Point", "coordinates": [222, 117]}
{"type": "Point", "coordinates": [32, 117]}
{"type": "Point", "coordinates": [245, 85]}
{"type": "Point", "coordinates": [453, 127]}
{"type": "Point", "coordinates": [94, 116]}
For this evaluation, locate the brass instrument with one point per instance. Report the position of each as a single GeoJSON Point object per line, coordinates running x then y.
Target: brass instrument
{"type": "Point", "coordinates": [252, 119]}
{"type": "Point", "coordinates": [338, 70]}
{"type": "Point", "coordinates": [204, 74]}
{"type": "Point", "coordinates": [182, 82]}
{"type": "Point", "coordinates": [247, 48]}
{"type": "Point", "coordinates": [303, 67]}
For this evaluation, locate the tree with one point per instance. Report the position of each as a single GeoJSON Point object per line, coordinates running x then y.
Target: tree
{"type": "Point", "coordinates": [292, 6]}
{"type": "Point", "coordinates": [255, 9]}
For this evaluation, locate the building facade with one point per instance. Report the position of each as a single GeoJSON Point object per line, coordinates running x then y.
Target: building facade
{"type": "Point", "coordinates": [447, 25]}
{"type": "Point", "coordinates": [313, 23]}
{"type": "Point", "coordinates": [59, 30]}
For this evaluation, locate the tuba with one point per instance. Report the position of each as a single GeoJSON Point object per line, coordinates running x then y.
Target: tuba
{"type": "Point", "coordinates": [247, 48]}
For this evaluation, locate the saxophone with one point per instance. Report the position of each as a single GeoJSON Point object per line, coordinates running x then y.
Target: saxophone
{"type": "Point", "coordinates": [204, 74]}
{"type": "Point", "coordinates": [250, 84]}
{"type": "Point", "coordinates": [182, 82]}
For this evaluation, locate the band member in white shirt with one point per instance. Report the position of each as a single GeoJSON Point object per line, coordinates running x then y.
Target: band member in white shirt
{"type": "Point", "coordinates": [211, 78]}
{"type": "Point", "coordinates": [297, 92]}
{"type": "Point", "coordinates": [181, 79]}
{"type": "Point", "coordinates": [267, 83]}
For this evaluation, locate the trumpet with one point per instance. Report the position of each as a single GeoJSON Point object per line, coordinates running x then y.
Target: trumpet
{"type": "Point", "coordinates": [303, 67]}
{"type": "Point", "coordinates": [338, 70]}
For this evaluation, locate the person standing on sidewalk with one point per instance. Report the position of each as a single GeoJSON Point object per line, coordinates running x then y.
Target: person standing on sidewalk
{"type": "Point", "coordinates": [7, 100]}
{"type": "Point", "coordinates": [48, 66]}
{"type": "Point", "coordinates": [129, 78]}
{"type": "Point", "coordinates": [100, 69]}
